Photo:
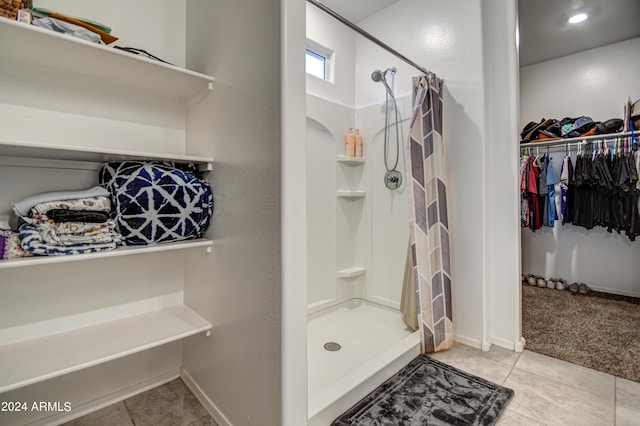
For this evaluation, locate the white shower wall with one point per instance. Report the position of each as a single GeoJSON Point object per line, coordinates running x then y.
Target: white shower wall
{"type": "Point", "coordinates": [370, 232]}
{"type": "Point", "coordinates": [388, 214]}
{"type": "Point", "coordinates": [458, 40]}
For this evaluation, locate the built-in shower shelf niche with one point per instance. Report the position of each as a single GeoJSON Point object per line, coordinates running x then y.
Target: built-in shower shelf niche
{"type": "Point", "coordinates": [350, 160]}
{"type": "Point", "coordinates": [351, 194]}
{"type": "Point", "coordinates": [354, 271]}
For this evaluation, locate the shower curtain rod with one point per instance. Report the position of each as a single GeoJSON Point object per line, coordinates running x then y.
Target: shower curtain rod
{"type": "Point", "coordinates": [366, 35]}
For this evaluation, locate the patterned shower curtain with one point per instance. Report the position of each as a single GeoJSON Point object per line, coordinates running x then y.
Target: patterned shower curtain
{"type": "Point", "coordinates": [428, 223]}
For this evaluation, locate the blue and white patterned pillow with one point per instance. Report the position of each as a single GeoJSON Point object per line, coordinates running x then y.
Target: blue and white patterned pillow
{"type": "Point", "coordinates": [156, 202]}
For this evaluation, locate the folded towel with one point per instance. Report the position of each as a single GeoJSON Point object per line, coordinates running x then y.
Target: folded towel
{"type": "Point", "coordinates": [98, 204]}
{"type": "Point", "coordinates": [91, 216]}
{"type": "Point", "coordinates": [31, 241]}
{"type": "Point", "coordinates": [22, 207]}
{"type": "Point", "coordinates": [63, 234]}
{"type": "Point", "coordinates": [12, 248]}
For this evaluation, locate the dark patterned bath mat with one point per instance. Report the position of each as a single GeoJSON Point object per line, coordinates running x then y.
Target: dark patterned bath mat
{"type": "Point", "coordinates": [429, 392]}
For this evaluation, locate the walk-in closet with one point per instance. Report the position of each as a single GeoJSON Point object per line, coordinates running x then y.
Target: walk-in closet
{"type": "Point", "coordinates": [581, 277]}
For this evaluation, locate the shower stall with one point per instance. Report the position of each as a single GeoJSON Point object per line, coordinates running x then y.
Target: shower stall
{"type": "Point", "coordinates": [357, 218]}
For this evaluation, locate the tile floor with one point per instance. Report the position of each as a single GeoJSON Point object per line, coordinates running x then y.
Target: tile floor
{"type": "Point", "coordinates": [547, 392]}
{"type": "Point", "coordinates": [171, 404]}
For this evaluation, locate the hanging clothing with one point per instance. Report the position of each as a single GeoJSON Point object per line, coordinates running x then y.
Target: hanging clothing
{"type": "Point", "coordinates": [601, 189]}
{"type": "Point", "coordinates": [552, 213]}
{"type": "Point", "coordinates": [566, 182]}
{"type": "Point", "coordinates": [543, 191]}
{"type": "Point", "coordinates": [524, 197]}
{"type": "Point", "coordinates": [535, 221]}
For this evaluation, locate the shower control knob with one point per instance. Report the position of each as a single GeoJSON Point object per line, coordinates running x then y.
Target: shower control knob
{"type": "Point", "coordinates": [393, 179]}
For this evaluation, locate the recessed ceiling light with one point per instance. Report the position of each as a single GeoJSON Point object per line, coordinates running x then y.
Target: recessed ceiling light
{"type": "Point", "coordinates": [577, 17]}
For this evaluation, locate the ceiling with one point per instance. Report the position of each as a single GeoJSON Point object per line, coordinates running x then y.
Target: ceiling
{"type": "Point", "coordinates": [544, 33]}
{"type": "Point", "coordinates": [357, 10]}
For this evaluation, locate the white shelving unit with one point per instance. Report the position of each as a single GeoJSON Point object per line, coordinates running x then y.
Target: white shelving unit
{"type": "Point", "coordinates": [35, 360]}
{"type": "Point", "coordinates": [120, 251]}
{"type": "Point", "coordinates": [121, 76]}
{"type": "Point", "coordinates": [102, 63]}
{"type": "Point", "coordinates": [19, 149]}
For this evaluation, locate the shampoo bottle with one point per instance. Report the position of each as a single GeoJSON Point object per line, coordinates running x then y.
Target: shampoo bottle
{"type": "Point", "coordinates": [350, 144]}
{"type": "Point", "coordinates": [358, 142]}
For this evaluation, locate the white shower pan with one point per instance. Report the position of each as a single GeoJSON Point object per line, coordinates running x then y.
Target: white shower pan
{"type": "Point", "coordinates": [374, 344]}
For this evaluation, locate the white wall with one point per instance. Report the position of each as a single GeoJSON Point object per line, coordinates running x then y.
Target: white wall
{"type": "Point", "coordinates": [336, 226]}
{"type": "Point", "coordinates": [596, 83]}
{"type": "Point", "coordinates": [502, 257]}
{"type": "Point", "coordinates": [239, 288]}
{"type": "Point", "coordinates": [294, 234]}
{"type": "Point", "coordinates": [388, 231]}
{"type": "Point", "coordinates": [341, 40]}
{"type": "Point", "coordinates": [446, 38]}
{"type": "Point", "coordinates": [157, 26]}
{"type": "Point", "coordinates": [330, 246]}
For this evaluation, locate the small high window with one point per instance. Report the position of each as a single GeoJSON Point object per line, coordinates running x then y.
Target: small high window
{"type": "Point", "coordinates": [319, 61]}
{"type": "Point", "coordinates": [316, 64]}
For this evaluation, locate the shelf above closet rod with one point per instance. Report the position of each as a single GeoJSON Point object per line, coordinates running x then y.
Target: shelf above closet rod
{"type": "Point", "coordinates": [579, 140]}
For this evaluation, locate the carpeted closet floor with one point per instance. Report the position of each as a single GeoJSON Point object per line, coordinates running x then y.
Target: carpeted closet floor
{"type": "Point", "coordinates": [598, 330]}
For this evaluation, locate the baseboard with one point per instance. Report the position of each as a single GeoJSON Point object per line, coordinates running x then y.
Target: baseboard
{"type": "Point", "coordinates": [504, 343]}
{"type": "Point", "coordinates": [615, 291]}
{"type": "Point", "coordinates": [105, 401]}
{"type": "Point", "coordinates": [475, 343]}
{"type": "Point", "coordinates": [519, 346]}
{"type": "Point", "coordinates": [208, 405]}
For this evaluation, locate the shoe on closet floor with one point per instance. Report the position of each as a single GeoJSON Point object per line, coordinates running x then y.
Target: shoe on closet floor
{"type": "Point", "coordinates": [551, 283]}
{"type": "Point", "coordinates": [531, 279]}
{"type": "Point", "coordinates": [573, 287]}
{"type": "Point", "coordinates": [541, 282]}
{"type": "Point", "coordinates": [583, 289]}
{"type": "Point", "coordinates": [561, 284]}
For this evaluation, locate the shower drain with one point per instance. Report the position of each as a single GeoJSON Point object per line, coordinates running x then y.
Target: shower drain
{"type": "Point", "coordinates": [332, 346]}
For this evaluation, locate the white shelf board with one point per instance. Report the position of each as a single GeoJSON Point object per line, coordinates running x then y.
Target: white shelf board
{"type": "Point", "coordinates": [351, 194]}
{"type": "Point", "coordinates": [36, 360]}
{"type": "Point", "coordinates": [120, 251]}
{"type": "Point", "coordinates": [350, 160]}
{"type": "Point", "coordinates": [72, 153]}
{"type": "Point", "coordinates": [48, 49]}
{"type": "Point", "coordinates": [354, 271]}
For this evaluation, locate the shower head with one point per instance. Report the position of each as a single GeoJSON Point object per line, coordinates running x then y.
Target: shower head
{"type": "Point", "coordinates": [378, 75]}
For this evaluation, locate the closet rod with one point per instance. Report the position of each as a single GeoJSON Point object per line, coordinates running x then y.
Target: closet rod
{"type": "Point", "coordinates": [560, 142]}
{"type": "Point", "coordinates": [366, 35]}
